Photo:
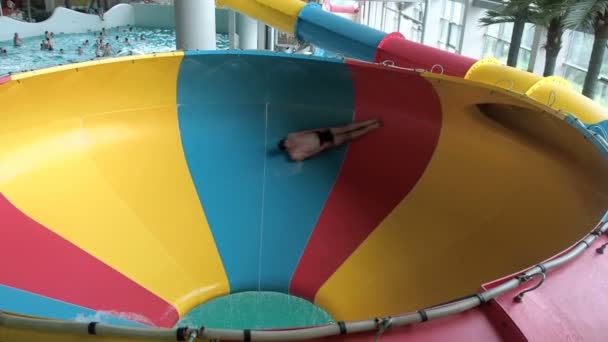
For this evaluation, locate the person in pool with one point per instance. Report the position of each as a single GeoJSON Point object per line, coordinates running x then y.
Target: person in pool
{"type": "Point", "coordinates": [86, 43]}
{"type": "Point", "coordinates": [306, 144]}
{"type": "Point", "coordinates": [107, 51]}
{"type": "Point", "coordinates": [16, 39]}
{"type": "Point", "coordinates": [142, 37]}
{"type": "Point", "coordinates": [49, 44]}
{"type": "Point", "coordinates": [127, 41]}
{"type": "Point", "coordinates": [80, 51]}
{"type": "Point", "coordinates": [98, 48]}
{"type": "Point", "coordinates": [117, 38]}
{"type": "Point", "coordinates": [61, 51]}
{"type": "Point", "coordinates": [11, 6]}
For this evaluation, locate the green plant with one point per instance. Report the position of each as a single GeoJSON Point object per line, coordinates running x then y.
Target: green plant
{"type": "Point", "coordinates": [591, 16]}
{"type": "Point", "coordinates": [513, 11]}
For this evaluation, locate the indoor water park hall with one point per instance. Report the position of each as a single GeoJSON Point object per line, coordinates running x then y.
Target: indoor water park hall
{"type": "Point", "coordinates": [289, 170]}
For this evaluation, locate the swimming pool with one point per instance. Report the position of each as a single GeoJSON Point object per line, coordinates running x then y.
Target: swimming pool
{"type": "Point", "coordinates": [29, 56]}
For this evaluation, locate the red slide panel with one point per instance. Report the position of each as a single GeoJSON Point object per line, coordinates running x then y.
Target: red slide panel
{"type": "Point", "coordinates": [35, 259]}
{"type": "Point", "coordinates": [407, 54]}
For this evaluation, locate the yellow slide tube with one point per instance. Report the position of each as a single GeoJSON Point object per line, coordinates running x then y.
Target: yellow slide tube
{"type": "Point", "coordinates": [281, 14]}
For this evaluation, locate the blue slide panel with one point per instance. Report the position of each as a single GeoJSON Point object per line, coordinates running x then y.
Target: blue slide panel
{"type": "Point", "coordinates": [337, 34]}
{"type": "Point", "coordinates": [261, 207]}
{"type": "Point", "coordinates": [30, 304]}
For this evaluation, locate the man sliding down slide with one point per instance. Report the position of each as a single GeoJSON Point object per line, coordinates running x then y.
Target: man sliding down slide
{"type": "Point", "coordinates": [306, 144]}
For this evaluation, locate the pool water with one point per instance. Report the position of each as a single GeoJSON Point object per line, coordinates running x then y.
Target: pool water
{"type": "Point", "coordinates": [256, 310]}
{"type": "Point", "coordinates": [30, 57]}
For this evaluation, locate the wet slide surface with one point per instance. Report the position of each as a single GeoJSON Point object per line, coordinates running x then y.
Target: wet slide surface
{"type": "Point", "coordinates": [141, 208]}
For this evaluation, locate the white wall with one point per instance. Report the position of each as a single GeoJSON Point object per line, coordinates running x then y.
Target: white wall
{"type": "Point", "coordinates": [163, 16]}
{"type": "Point", "coordinates": [158, 16]}
{"type": "Point", "coordinates": [67, 21]}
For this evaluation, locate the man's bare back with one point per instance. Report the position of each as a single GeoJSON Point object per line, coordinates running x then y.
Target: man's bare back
{"type": "Point", "coordinates": [306, 144]}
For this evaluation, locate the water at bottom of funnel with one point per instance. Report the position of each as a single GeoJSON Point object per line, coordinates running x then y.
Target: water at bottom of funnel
{"type": "Point", "coordinates": [256, 310]}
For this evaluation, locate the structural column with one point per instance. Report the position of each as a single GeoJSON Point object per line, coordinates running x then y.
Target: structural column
{"type": "Point", "coordinates": [48, 4]}
{"type": "Point", "coordinates": [195, 24]}
{"type": "Point", "coordinates": [248, 32]}
{"type": "Point", "coordinates": [232, 29]}
{"type": "Point", "coordinates": [261, 36]}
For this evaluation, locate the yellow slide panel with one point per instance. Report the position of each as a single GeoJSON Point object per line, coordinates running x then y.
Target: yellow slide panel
{"type": "Point", "coordinates": [96, 157]}
{"type": "Point", "coordinates": [490, 71]}
{"type": "Point", "coordinates": [536, 173]}
{"type": "Point", "coordinates": [557, 93]}
{"type": "Point", "coordinates": [280, 14]}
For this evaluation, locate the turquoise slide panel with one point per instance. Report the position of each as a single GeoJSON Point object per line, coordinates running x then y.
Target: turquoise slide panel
{"type": "Point", "coordinates": [260, 206]}
{"type": "Point", "coordinates": [30, 304]}
{"type": "Point", "coordinates": [337, 34]}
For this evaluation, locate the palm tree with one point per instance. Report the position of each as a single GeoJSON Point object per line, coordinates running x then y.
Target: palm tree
{"type": "Point", "coordinates": [516, 12]}
{"type": "Point", "coordinates": [591, 16]}
{"type": "Point", "coordinates": [551, 14]}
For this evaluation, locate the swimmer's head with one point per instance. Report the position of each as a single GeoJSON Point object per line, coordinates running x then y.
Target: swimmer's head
{"type": "Point", "coordinates": [281, 145]}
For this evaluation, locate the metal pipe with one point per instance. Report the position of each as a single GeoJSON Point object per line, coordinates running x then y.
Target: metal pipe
{"type": "Point", "coordinates": [426, 15]}
{"type": "Point", "coordinates": [272, 38]}
{"type": "Point", "coordinates": [404, 15]}
{"type": "Point", "coordinates": [432, 313]}
{"type": "Point", "coordinates": [399, 18]}
{"type": "Point", "coordinates": [383, 17]}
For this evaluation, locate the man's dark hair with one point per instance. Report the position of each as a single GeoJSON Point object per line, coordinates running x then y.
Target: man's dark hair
{"type": "Point", "coordinates": [281, 145]}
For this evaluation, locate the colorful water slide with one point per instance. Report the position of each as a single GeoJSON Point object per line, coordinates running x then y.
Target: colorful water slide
{"type": "Point", "coordinates": [342, 6]}
{"type": "Point", "coordinates": [157, 187]}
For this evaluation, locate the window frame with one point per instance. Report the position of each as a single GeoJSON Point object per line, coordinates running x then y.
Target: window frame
{"type": "Point", "coordinates": [502, 43]}
{"type": "Point", "coordinates": [451, 23]}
